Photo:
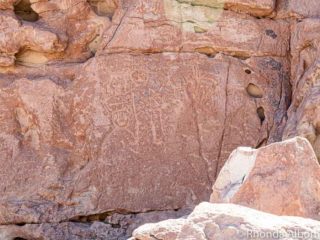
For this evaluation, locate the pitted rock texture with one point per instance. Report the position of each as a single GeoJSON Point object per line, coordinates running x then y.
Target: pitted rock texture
{"type": "Point", "coordinates": [135, 105]}
{"type": "Point", "coordinates": [272, 179]}
{"type": "Point", "coordinates": [228, 221]}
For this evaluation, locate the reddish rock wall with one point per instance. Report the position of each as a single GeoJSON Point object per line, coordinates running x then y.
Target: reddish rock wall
{"type": "Point", "coordinates": [134, 106]}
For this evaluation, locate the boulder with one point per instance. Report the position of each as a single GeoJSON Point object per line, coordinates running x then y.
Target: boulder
{"type": "Point", "coordinates": [282, 178]}
{"type": "Point", "coordinates": [228, 221]}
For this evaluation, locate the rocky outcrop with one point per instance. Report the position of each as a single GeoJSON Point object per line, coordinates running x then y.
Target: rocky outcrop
{"type": "Point", "coordinates": [228, 221]}
{"type": "Point", "coordinates": [39, 32]}
{"type": "Point", "coordinates": [303, 113]}
{"type": "Point", "coordinates": [135, 105]}
{"type": "Point", "coordinates": [133, 122]}
{"type": "Point", "coordinates": [175, 26]}
{"type": "Point", "coordinates": [282, 178]}
{"type": "Point", "coordinates": [118, 131]}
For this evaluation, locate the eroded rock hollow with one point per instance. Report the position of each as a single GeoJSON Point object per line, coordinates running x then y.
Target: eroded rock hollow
{"type": "Point", "coordinates": [111, 109]}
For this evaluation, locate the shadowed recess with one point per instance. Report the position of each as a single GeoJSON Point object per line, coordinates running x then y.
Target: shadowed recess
{"type": "Point", "coordinates": [261, 115]}
{"type": "Point", "coordinates": [24, 11]}
{"type": "Point", "coordinates": [104, 8]}
{"type": "Point", "coordinates": [254, 91]}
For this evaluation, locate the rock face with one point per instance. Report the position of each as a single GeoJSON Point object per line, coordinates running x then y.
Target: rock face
{"type": "Point", "coordinates": [125, 131]}
{"type": "Point", "coordinates": [228, 221]}
{"type": "Point", "coordinates": [174, 26]}
{"type": "Point", "coordinates": [95, 227]}
{"type": "Point", "coordinates": [157, 122]}
{"type": "Point", "coordinates": [298, 9]}
{"type": "Point", "coordinates": [70, 37]}
{"type": "Point", "coordinates": [135, 105]}
{"type": "Point", "coordinates": [282, 178]}
{"type": "Point", "coordinates": [304, 113]}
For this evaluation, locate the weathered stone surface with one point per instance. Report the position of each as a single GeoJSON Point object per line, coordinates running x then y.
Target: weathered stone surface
{"type": "Point", "coordinates": [16, 36]}
{"type": "Point", "coordinates": [154, 116]}
{"type": "Point", "coordinates": [282, 178]}
{"type": "Point", "coordinates": [304, 120]}
{"type": "Point", "coordinates": [172, 26]}
{"type": "Point", "coordinates": [7, 4]}
{"type": "Point", "coordinates": [257, 8]}
{"type": "Point", "coordinates": [107, 105]}
{"type": "Point", "coordinates": [109, 226]}
{"type": "Point", "coordinates": [228, 221]}
{"type": "Point", "coordinates": [303, 114]}
{"type": "Point", "coordinates": [72, 36]}
{"type": "Point", "coordinates": [298, 8]}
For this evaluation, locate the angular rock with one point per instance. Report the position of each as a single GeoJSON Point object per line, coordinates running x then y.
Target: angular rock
{"type": "Point", "coordinates": [282, 178]}
{"type": "Point", "coordinates": [228, 221]}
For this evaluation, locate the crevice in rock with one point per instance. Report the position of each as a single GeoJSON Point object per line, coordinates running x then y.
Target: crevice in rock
{"type": "Point", "coordinates": [24, 11]}
{"type": "Point", "coordinates": [285, 98]}
{"type": "Point", "coordinates": [198, 132]}
{"type": "Point", "coordinates": [116, 29]}
{"type": "Point", "coordinates": [101, 217]}
{"type": "Point", "coordinates": [261, 143]}
{"type": "Point", "coordinates": [154, 237]}
{"type": "Point", "coordinates": [261, 114]}
{"type": "Point", "coordinates": [21, 224]}
{"type": "Point", "coordinates": [224, 123]}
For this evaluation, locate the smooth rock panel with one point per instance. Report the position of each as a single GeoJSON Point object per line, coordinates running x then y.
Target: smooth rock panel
{"type": "Point", "coordinates": [172, 26]}
{"type": "Point", "coordinates": [129, 132]}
